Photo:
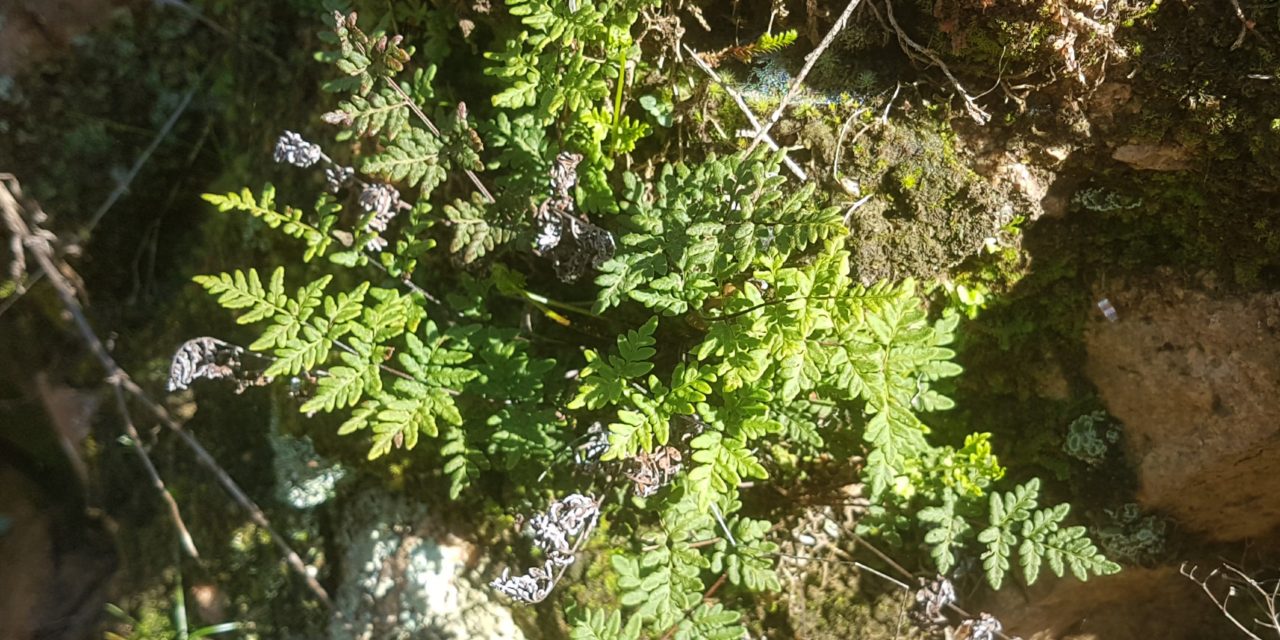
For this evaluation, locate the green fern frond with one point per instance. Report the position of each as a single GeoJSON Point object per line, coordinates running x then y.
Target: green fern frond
{"type": "Point", "coordinates": [473, 234]}
{"type": "Point", "coordinates": [1043, 539]}
{"type": "Point", "coordinates": [412, 158]}
{"type": "Point", "coordinates": [769, 43]}
{"type": "Point", "coordinates": [289, 221]}
{"type": "Point", "coordinates": [594, 624]}
{"type": "Point", "coordinates": [605, 378]}
{"type": "Point", "coordinates": [944, 538]}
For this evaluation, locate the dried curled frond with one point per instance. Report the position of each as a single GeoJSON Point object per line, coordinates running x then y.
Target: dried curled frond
{"type": "Point", "coordinates": [382, 201]}
{"type": "Point", "coordinates": [558, 532]}
{"type": "Point", "coordinates": [559, 206]}
{"type": "Point", "coordinates": [565, 522]}
{"type": "Point", "coordinates": [292, 148]}
{"type": "Point", "coordinates": [204, 358]}
{"type": "Point", "coordinates": [983, 627]}
{"type": "Point", "coordinates": [337, 178]}
{"type": "Point", "coordinates": [930, 599]}
{"type": "Point", "coordinates": [557, 221]}
{"type": "Point", "coordinates": [597, 443]}
{"type": "Point", "coordinates": [532, 587]}
{"type": "Point", "coordinates": [652, 471]}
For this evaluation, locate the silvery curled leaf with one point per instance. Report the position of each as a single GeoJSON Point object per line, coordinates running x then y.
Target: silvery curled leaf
{"type": "Point", "coordinates": [530, 588]}
{"type": "Point", "coordinates": [556, 532]}
{"type": "Point", "coordinates": [382, 201]}
{"type": "Point", "coordinates": [570, 517]}
{"type": "Point", "coordinates": [548, 234]}
{"type": "Point", "coordinates": [983, 627]}
{"type": "Point", "coordinates": [564, 174]}
{"type": "Point", "coordinates": [596, 445]}
{"type": "Point", "coordinates": [292, 148]}
{"type": "Point", "coordinates": [338, 177]}
{"type": "Point", "coordinates": [596, 242]}
{"type": "Point", "coordinates": [930, 599]}
{"type": "Point", "coordinates": [379, 198]}
{"type": "Point", "coordinates": [203, 358]}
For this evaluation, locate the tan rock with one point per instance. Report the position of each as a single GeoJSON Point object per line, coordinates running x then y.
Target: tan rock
{"type": "Point", "coordinates": [1194, 379]}
{"type": "Point", "coordinates": [1154, 157]}
{"type": "Point", "coordinates": [1135, 604]}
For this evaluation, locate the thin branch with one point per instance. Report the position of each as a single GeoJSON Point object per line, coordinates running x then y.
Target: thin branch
{"type": "Point", "coordinates": [844, 129]}
{"type": "Point", "coordinates": [1245, 25]}
{"type": "Point", "coordinates": [184, 536]}
{"type": "Point", "coordinates": [899, 568]}
{"type": "Point", "coordinates": [1190, 574]}
{"type": "Point", "coordinates": [809, 61]}
{"type": "Point", "coordinates": [914, 49]}
{"type": "Point", "coordinates": [410, 284]}
{"type": "Point", "coordinates": [37, 242]}
{"type": "Point", "coordinates": [746, 111]}
{"type": "Point", "coordinates": [848, 560]}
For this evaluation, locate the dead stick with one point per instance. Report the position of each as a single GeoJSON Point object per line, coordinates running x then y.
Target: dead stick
{"type": "Point", "coordinates": [909, 45]}
{"type": "Point", "coordinates": [38, 245]}
{"type": "Point", "coordinates": [175, 514]}
{"type": "Point", "coordinates": [809, 61]}
{"type": "Point", "coordinates": [890, 561]}
{"type": "Point", "coordinates": [1245, 25]}
{"type": "Point", "coordinates": [746, 111]}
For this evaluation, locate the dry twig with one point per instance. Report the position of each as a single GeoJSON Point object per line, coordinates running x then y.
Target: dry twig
{"type": "Point", "coordinates": [916, 50]}
{"type": "Point", "coordinates": [38, 243]}
{"type": "Point", "coordinates": [746, 111]}
{"type": "Point", "coordinates": [797, 81]}
{"type": "Point", "coordinates": [1246, 25]}
{"type": "Point", "coordinates": [184, 536]}
{"type": "Point", "coordinates": [1263, 597]}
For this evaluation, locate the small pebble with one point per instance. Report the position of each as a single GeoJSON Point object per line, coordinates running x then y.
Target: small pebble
{"type": "Point", "coordinates": [1108, 310]}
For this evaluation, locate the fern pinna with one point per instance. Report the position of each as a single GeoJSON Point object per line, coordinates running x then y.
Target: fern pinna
{"type": "Point", "coordinates": [741, 344]}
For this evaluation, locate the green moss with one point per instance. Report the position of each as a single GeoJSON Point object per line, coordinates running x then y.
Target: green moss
{"type": "Point", "coordinates": [911, 179]}
{"type": "Point", "coordinates": [928, 210]}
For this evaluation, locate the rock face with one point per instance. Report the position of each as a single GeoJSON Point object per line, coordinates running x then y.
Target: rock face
{"type": "Point", "coordinates": [402, 581]}
{"type": "Point", "coordinates": [1153, 157]}
{"type": "Point", "coordinates": [1196, 380]}
{"type": "Point", "coordinates": [1134, 604]}
{"type": "Point", "coordinates": [57, 562]}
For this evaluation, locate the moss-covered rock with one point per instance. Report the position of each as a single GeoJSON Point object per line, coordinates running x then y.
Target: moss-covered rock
{"type": "Point", "coordinates": [927, 209]}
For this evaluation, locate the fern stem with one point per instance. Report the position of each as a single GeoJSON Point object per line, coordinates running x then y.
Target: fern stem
{"type": "Point", "coordinates": [706, 596]}
{"type": "Point", "coordinates": [617, 96]}
{"type": "Point", "coordinates": [540, 299]}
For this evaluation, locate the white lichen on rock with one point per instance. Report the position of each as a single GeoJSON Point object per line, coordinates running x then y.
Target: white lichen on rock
{"type": "Point", "coordinates": [304, 479]}
{"type": "Point", "coordinates": [400, 582]}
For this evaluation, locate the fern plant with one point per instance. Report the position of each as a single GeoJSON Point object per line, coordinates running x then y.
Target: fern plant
{"type": "Point", "coordinates": [723, 339]}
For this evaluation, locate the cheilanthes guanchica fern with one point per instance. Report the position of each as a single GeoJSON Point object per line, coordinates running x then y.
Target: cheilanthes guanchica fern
{"type": "Point", "coordinates": [740, 333]}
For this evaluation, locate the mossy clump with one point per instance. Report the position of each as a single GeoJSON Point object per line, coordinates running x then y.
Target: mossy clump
{"type": "Point", "coordinates": [928, 209]}
{"type": "Point", "coordinates": [832, 605]}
